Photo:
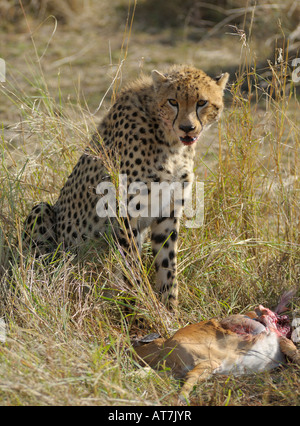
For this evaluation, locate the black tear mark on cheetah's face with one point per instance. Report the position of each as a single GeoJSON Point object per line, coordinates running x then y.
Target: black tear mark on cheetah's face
{"type": "Point", "coordinates": [189, 101]}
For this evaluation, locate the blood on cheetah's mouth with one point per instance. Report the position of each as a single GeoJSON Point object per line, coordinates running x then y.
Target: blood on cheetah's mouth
{"type": "Point", "coordinates": [188, 140]}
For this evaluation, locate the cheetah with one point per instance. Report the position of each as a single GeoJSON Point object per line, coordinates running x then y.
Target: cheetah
{"type": "Point", "coordinates": [149, 135]}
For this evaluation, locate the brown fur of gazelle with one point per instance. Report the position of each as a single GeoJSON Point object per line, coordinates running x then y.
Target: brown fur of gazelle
{"type": "Point", "coordinates": [197, 351]}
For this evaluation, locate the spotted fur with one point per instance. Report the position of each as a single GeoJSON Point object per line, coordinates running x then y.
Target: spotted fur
{"type": "Point", "coordinates": [150, 135]}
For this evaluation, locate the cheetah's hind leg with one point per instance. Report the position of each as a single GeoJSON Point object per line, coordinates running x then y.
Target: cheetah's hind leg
{"type": "Point", "coordinates": [40, 230]}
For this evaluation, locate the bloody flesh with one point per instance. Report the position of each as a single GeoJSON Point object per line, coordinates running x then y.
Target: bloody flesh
{"type": "Point", "coordinates": [280, 324]}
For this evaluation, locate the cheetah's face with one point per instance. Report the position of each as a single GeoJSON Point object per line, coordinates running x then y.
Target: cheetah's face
{"type": "Point", "coordinates": [188, 102]}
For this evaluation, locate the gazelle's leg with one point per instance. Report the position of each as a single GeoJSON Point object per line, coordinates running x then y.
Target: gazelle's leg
{"type": "Point", "coordinates": [200, 373]}
{"type": "Point", "coordinates": [289, 350]}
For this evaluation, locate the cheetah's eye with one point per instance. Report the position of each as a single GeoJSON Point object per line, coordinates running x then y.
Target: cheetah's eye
{"type": "Point", "coordinates": [201, 103]}
{"type": "Point", "coordinates": [173, 102]}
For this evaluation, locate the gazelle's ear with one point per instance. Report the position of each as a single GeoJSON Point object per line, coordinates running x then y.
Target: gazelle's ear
{"type": "Point", "coordinates": [158, 79]}
{"type": "Point", "coordinates": [222, 80]}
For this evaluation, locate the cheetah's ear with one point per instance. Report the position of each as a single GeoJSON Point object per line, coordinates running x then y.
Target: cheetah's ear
{"type": "Point", "coordinates": [158, 79]}
{"type": "Point", "coordinates": [222, 80]}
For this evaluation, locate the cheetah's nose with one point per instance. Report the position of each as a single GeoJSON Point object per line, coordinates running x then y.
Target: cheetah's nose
{"type": "Point", "coordinates": [187, 129]}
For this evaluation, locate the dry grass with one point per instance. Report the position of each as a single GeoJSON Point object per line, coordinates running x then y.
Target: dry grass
{"type": "Point", "coordinates": [67, 340]}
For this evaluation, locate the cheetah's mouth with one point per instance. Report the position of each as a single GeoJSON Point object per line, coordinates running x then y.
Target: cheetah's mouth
{"type": "Point", "coordinates": [188, 140]}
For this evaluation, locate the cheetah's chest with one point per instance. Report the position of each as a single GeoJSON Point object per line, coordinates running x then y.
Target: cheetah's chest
{"type": "Point", "coordinates": [159, 186]}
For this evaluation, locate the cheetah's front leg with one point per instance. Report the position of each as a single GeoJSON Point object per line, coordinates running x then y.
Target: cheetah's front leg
{"type": "Point", "coordinates": [164, 236]}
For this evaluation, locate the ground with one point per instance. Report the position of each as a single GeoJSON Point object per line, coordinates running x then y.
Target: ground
{"type": "Point", "coordinates": [67, 342]}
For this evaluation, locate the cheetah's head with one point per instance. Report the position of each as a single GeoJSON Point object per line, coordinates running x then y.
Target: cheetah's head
{"type": "Point", "coordinates": [188, 101]}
